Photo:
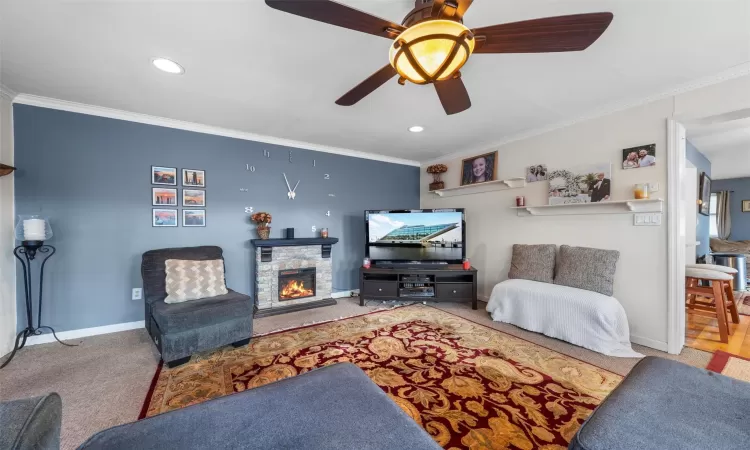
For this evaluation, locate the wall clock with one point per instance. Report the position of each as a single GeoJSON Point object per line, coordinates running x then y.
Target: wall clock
{"type": "Point", "coordinates": [291, 191]}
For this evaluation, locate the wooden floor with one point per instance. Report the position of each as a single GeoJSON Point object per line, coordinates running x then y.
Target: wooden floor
{"type": "Point", "coordinates": [703, 333]}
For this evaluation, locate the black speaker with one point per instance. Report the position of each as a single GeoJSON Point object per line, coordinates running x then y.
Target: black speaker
{"type": "Point", "coordinates": [289, 233]}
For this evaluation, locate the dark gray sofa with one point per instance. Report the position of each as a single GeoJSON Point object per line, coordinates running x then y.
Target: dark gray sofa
{"type": "Point", "coordinates": [181, 329]}
{"type": "Point", "coordinates": [334, 408]}
{"type": "Point", "coordinates": [667, 405]}
{"type": "Point", "coordinates": [31, 423]}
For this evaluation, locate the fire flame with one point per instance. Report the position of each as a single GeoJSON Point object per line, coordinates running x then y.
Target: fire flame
{"type": "Point", "coordinates": [296, 289]}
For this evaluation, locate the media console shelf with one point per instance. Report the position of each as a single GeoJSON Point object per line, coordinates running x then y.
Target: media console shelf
{"type": "Point", "coordinates": [498, 185]}
{"type": "Point", "coordinates": [448, 284]}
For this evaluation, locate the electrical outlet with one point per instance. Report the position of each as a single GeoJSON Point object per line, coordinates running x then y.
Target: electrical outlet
{"type": "Point", "coordinates": [137, 294]}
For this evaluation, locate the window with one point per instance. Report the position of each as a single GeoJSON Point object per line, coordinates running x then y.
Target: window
{"type": "Point", "coordinates": [713, 229]}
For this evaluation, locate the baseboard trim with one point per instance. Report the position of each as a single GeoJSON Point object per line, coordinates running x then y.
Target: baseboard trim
{"type": "Point", "coordinates": [85, 332]}
{"type": "Point", "coordinates": [345, 294]}
{"type": "Point", "coordinates": [647, 342]}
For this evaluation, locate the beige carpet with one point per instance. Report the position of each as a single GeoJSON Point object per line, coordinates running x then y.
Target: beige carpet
{"type": "Point", "coordinates": [104, 381]}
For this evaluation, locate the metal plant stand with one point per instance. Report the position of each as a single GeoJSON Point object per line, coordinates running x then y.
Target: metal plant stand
{"type": "Point", "coordinates": [29, 251]}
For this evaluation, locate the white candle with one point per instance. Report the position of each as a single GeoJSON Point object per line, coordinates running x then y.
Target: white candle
{"type": "Point", "coordinates": [33, 230]}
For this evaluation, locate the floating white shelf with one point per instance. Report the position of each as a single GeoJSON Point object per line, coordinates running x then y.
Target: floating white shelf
{"type": "Point", "coordinates": [498, 185]}
{"type": "Point", "coordinates": [610, 207]}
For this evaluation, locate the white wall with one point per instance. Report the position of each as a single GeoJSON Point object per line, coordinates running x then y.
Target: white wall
{"type": "Point", "coordinates": [492, 227]}
{"type": "Point", "coordinates": [641, 279]}
{"type": "Point", "coordinates": [7, 241]}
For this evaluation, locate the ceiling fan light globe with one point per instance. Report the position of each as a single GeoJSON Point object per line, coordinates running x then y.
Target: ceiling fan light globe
{"type": "Point", "coordinates": [431, 44]}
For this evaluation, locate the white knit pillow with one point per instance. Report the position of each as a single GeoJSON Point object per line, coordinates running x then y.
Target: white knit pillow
{"type": "Point", "coordinates": [192, 280]}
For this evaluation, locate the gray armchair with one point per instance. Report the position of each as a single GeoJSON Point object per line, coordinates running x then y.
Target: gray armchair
{"type": "Point", "coordinates": [31, 423]}
{"type": "Point", "coordinates": [182, 329]}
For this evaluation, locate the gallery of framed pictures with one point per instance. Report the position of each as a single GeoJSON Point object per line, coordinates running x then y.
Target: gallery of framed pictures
{"type": "Point", "coordinates": [168, 197]}
{"type": "Point", "coordinates": [479, 169]}
{"type": "Point", "coordinates": [589, 183]}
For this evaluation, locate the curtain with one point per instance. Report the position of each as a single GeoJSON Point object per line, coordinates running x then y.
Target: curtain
{"type": "Point", "coordinates": [723, 219]}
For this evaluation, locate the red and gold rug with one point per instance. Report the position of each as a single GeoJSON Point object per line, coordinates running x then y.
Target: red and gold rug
{"type": "Point", "coordinates": [730, 365]}
{"type": "Point", "coordinates": [468, 385]}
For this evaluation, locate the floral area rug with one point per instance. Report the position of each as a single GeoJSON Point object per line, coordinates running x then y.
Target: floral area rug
{"type": "Point", "coordinates": [468, 385]}
{"type": "Point", "coordinates": [730, 365]}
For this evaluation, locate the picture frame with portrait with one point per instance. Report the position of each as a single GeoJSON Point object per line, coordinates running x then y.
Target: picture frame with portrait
{"type": "Point", "coordinates": [536, 173]}
{"type": "Point", "coordinates": [479, 169]}
{"type": "Point", "coordinates": [705, 195]}
{"type": "Point", "coordinates": [639, 157]}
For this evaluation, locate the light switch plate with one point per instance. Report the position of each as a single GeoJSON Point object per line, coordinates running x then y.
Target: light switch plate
{"type": "Point", "coordinates": [647, 219]}
{"type": "Point", "coordinates": [137, 294]}
{"type": "Point", "coordinates": [653, 187]}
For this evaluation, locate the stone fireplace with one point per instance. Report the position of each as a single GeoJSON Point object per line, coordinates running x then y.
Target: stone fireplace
{"type": "Point", "coordinates": [292, 274]}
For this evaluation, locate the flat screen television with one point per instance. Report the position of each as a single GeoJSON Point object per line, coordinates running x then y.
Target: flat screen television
{"type": "Point", "coordinates": [422, 236]}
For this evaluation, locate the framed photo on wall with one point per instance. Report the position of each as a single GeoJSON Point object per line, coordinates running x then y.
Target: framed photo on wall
{"type": "Point", "coordinates": [164, 175]}
{"type": "Point", "coordinates": [745, 205]}
{"type": "Point", "coordinates": [193, 178]}
{"type": "Point", "coordinates": [637, 157]}
{"type": "Point", "coordinates": [164, 217]}
{"type": "Point", "coordinates": [163, 197]}
{"type": "Point", "coordinates": [479, 169]}
{"type": "Point", "coordinates": [705, 195]}
{"type": "Point", "coordinates": [193, 197]}
{"type": "Point", "coordinates": [193, 217]}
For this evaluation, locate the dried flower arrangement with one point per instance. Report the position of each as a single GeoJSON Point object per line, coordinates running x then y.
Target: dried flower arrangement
{"type": "Point", "coordinates": [437, 170]}
{"type": "Point", "coordinates": [262, 219]}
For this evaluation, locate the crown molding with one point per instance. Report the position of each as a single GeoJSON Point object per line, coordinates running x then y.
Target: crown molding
{"type": "Point", "coordinates": [111, 113]}
{"type": "Point", "coordinates": [729, 74]}
{"type": "Point", "coordinates": [7, 92]}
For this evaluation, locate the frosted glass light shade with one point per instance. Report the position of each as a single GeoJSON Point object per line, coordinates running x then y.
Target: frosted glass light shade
{"type": "Point", "coordinates": [431, 44]}
{"type": "Point", "coordinates": [33, 228]}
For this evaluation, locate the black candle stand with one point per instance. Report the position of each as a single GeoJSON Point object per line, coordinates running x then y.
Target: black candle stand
{"type": "Point", "coordinates": [29, 250]}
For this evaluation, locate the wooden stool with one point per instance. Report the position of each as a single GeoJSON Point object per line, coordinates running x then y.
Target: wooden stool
{"type": "Point", "coordinates": [728, 287]}
{"type": "Point", "coordinates": [720, 284]}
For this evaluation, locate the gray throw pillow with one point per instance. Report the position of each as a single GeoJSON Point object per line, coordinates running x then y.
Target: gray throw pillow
{"type": "Point", "coordinates": [533, 262]}
{"type": "Point", "coordinates": [591, 269]}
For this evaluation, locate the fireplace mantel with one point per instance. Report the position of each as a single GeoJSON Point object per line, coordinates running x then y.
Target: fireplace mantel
{"type": "Point", "coordinates": [297, 242]}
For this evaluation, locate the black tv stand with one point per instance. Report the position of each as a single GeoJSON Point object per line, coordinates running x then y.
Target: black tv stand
{"type": "Point", "coordinates": [442, 283]}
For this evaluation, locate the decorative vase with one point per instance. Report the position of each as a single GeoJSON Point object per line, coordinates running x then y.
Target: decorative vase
{"type": "Point", "coordinates": [264, 232]}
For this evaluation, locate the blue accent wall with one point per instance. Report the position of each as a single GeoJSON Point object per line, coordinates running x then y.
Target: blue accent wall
{"type": "Point", "coordinates": [703, 165]}
{"type": "Point", "coordinates": [740, 221]}
{"type": "Point", "coordinates": [91, 176]}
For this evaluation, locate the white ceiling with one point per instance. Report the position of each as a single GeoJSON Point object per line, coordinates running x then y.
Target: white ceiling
{"type": "Point", "coordinates": [725, 141]}
{"type": "Point", "coordinates": [255, 69]}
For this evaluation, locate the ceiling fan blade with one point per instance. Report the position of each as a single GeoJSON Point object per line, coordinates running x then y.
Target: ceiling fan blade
{"type": "Point", "coordinates": [453, 95]}
{"type": "Point", "coordinates": [333, 13]}
{"type": "Point", "coordinates": [551, 34]}
{"type": "Point", "coordinates": [366, 87]}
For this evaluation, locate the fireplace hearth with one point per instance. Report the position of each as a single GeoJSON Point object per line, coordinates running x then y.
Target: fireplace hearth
{"type": "Point", "coordinates": [296, 283]}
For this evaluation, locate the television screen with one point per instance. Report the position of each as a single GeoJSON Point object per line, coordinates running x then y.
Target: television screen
{"type": "Point", "coordinates": [421, 235]}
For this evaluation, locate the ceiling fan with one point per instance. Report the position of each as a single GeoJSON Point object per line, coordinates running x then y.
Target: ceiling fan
{"type": "Point", "coordinates": [432, 43]}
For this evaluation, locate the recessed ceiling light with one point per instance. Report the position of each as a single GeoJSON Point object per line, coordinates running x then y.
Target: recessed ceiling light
{"type": "Point", "coordinates": [167, 65]}
{"type": "Point", "coordinates": [416, 129]}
